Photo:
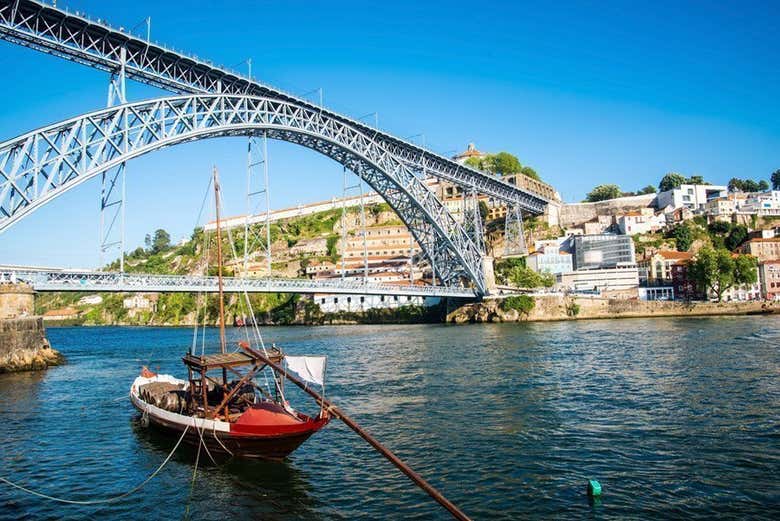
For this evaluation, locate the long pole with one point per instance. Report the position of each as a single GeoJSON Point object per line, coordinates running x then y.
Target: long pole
{"type": "Point", "coordinates": [219, 265]}
{"type": "Point", "coordinates": [349, 422]}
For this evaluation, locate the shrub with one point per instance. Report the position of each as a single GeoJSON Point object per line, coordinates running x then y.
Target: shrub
{"type": "Point", "coordinates": [522, 303]}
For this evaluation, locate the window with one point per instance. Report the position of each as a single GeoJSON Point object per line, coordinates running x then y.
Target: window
{"type": "Point", "coordinates": [336, 300]}
{"type": "Point", "coordinates": [349, 300]}
{"type": "Point", "coordinates": [395, 298]}
{"type": "Point", "coordinates": [362, 299]}
{"type": "Point", "coordinates": [323, 301]}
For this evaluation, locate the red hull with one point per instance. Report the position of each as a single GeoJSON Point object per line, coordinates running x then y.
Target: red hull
{"type": "Point", "coordinates": [270, 447]}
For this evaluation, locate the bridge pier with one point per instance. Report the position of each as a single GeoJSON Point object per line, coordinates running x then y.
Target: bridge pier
{"type": "Point", "coordinates": [23, 343]}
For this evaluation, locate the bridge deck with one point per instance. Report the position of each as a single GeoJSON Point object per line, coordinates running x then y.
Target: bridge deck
{"type": "Point", "coordinates": [94, 281]}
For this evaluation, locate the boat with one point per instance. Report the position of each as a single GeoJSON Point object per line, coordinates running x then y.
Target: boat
{"type": "Point", "coordinates": [236, 416]}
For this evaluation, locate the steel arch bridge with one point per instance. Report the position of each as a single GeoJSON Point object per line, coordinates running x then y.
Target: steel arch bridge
{"type": "Point", "coordinates": [40, 165]}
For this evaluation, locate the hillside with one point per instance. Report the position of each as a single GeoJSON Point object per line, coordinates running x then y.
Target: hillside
{"type": "Point", "coordinates": [294, 243]}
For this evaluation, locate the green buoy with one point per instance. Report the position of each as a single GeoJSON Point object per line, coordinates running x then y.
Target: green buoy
{"type": "Point", "coordinates": [594, 488]}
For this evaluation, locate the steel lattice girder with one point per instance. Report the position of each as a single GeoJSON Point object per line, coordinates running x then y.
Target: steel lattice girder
{"type": "Point", "coordinates": [54, 31]}
{"type": "Point", "coordinates": [40, 165]}
{"type": "Point", "coordinates": [62, 280]}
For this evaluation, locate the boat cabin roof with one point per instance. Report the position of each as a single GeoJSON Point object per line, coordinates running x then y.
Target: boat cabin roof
{"type": "Point", "coordinates": [217, 360]}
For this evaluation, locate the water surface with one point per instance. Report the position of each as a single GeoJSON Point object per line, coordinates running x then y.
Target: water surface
{"type": "Point", "coordinates": [677, 418]}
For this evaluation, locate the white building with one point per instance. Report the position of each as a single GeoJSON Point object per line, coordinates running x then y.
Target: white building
{"type": "Point", "coordinates": [609, 280]}
{"type": "Point", "coordinates": [762, 204]}
{"type": "Point", "coordinates": [90, 300]}
{"type": "Point", "coordinates": [359, 303]}
{"type": "Point", "coordinates": [641, 221]}
{"type": "Point", "coordinates": [720, 208]}
{"type": "Point", "coordinates": [550, 260]}
{"type": "Point", "coordinates": [693, 197]}
{"type": "Point", "coordinates": [138, 302]}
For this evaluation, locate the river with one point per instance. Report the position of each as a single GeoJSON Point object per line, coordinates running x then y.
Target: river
{"type": "Point", "coordinates": [676, 418]}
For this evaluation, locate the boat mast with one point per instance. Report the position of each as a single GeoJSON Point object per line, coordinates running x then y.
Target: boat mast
{"type": "Point", "coordinates": [219, 265]}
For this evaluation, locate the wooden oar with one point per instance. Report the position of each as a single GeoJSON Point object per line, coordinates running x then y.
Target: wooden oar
{"type": "Point", "coordinates": [349, 422]}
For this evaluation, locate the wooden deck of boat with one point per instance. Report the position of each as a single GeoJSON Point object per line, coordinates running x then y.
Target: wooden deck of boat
{"type": "Point", "coordinates": [215, 360]}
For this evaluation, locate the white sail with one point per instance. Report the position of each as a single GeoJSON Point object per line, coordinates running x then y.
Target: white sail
{"type": "Point", "coordinates": [309, 368]}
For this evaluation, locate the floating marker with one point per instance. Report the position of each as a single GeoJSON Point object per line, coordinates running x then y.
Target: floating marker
{"type": "Point", "coordinates": [594, 488]}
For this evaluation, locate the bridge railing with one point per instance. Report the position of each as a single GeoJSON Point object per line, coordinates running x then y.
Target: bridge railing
{"type": "Point", "coordinates": [113, 281]}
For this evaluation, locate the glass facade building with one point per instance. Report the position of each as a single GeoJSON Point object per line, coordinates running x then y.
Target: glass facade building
{"type": "Point", "coordinates": [603, 251]}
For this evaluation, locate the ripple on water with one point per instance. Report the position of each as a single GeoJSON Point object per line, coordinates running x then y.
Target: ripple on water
{"type": "Point", "coordinates": [676, 418]}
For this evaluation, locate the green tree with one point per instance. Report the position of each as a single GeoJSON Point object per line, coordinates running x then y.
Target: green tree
{"type": "Point", "coordinates": [737, 235]}
{"type": "Point", "coordinates": [505, 163]}
{"type": "Point", "coordinates": [683, 236]}
{"type": "Point", "coordinates": [775, 180]}
{"type": "Point", "coordinates": [716, 271]}
{"type": "Point", "coordinates": [735, 184]}
{"type": "Point", "coordinates": [763, 186]}
{"type": "Point", "coordinates": [649, 189]}
{"type": "Point", "coordinates": [748, 185]}
{"type": "Point", "coordinates": [602, 193]}
{"type": "Point", "coordinates": [161, 241]}
{"type": "Point", "coordinates": [670, 181]}
{"type": "Point", "coordinates": [523, 277]}
{"type": "Point", "coordinates": [695, 180]}
{"type": "Point", "coordinates": [483, 210]}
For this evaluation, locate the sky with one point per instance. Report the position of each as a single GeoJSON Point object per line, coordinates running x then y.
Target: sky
{"type": "Point", "coordinates": [586, 93]}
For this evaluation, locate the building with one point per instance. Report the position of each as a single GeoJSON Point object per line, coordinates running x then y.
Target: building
{"type": "Point", "coordinates": [90, 300]}
{"type": "Point", "coordinates": [603, 251]}
{"type": "Point", "coordinates": [381, 241]}
{"type": "Point", "coordinates": [470, 152]}
{"type": "Point", "coordinates": [721, 208]}
{"type": "Point", "coordinates": [693, 197]}
{"type": "Point", "coordinates": [550, 260]}
{"type": "Point", "coordinates": [61, 314]}
{"type": "Point", "coordinates": [139, 302]}
{"type": "Point", "coordinates": [657, 293]}
{"type": "Point", "coordinates": [617, 281]}
{"type": "Point", "coordinates": [677, 215]}
{"type": "Point", "coordinates": [742, 292]}
{"type": "Point", "coordinates": [769, 276]}
{"type": "Point", "coordinates": [640, 221]}
{"type": "Point", "coordinates": [762, 249]}
{"type": "Point", "coordinates": [684, 287]}
{"type": "Point", "coordinates": [764, 204]}
{"type": "Point", "coordinates": [659, 265]}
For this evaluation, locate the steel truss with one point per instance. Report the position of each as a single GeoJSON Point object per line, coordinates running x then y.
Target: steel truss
{"type": "Point", "coordinates": [55, 31]}
{"type": "Point", "coordinates": [60, 280]}
{"type": "Point", "coordinates": [472, 218]}
{"type": "Point", "coordinates": [40, 165]}
{"type": "Point", "coordinates": [514, 236]}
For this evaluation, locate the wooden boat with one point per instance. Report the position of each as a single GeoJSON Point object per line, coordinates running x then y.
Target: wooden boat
{"type": "Point", "coordinates": [238, 416]}
{"type": "Point", "coordinates": [229, 419]}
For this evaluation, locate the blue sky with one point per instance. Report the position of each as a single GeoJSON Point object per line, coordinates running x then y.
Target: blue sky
{"type": "Point", "coordinates": [584, 92]}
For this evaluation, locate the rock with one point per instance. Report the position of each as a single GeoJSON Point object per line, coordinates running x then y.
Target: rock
{"type": "Point", "coordinates": [24, 347]}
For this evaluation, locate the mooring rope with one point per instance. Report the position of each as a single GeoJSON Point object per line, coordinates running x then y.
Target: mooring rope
{"type": "Point", "coordinates": [100, 501]}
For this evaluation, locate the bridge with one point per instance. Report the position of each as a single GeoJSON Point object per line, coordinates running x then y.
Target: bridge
{"type": "Point", "coordinates": [100, 281]}
{"type": "Point", "coordinates": [211, 101]}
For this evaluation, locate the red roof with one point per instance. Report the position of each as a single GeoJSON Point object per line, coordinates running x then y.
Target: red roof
{"type": "Point", "coordinates": [675, 255]}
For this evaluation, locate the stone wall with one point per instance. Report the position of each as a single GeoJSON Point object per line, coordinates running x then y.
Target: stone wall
{"type": "Point", "coordinates": [577, 213]}
{"type": "Point", "coordinates": [16, 300]}
{"type": "Point", "coordinates": [560, 307]}
{"type": "Point", "coordinates": [23, 346]}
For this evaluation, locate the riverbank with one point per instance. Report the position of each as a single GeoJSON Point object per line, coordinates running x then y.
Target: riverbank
{"type": "Point", "coordinates": [24, 347]}
{"type": "Point", "coordinates": [560, 307]}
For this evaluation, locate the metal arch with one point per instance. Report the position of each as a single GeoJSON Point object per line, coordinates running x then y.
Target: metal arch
{"type": "Point", "coordinates": [93, 43]}
{"type": "Point", "coordinates": [40, 165]}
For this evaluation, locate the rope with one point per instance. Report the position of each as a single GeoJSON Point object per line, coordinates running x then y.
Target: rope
{"type": "Point", "coordinates": [100, 501]}
{"type": "Point", "coordinates": [194, 474]}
